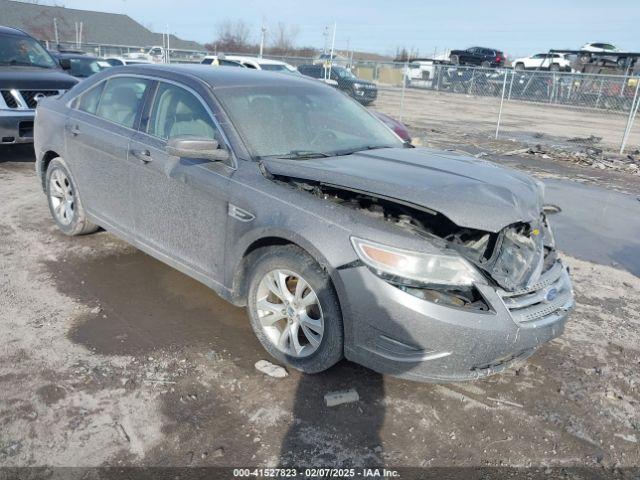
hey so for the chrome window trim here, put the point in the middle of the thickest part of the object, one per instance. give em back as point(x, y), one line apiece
point(137, 129)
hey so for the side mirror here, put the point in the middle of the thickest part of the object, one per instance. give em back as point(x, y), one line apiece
point(198, 148)
point(65, 63)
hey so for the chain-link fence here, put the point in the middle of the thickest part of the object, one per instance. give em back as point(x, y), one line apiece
point(507, 102)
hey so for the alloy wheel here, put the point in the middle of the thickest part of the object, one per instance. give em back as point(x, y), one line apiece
point(61, 197)
point(289, 313)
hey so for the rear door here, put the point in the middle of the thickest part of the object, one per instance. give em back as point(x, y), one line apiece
point(180, 204)
point(97, 138)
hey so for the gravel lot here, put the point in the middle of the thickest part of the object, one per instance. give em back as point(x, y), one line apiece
point(111, 358)
point(446, 111)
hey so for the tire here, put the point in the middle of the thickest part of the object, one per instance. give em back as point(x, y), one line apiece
point(519, 66)
point(64, 201)
point(554, 67)
point(485, 64)
point(290, 264)
point(622, 62)
point(584, 59)
point(455, 59)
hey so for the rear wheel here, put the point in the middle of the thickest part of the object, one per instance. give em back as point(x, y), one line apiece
point(519, 66)
point(294, 309)
point(64, 200)
point(455, 59)
point(486, 64)
point(554, 67)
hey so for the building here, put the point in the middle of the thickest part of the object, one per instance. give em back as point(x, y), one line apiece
point(96, 32)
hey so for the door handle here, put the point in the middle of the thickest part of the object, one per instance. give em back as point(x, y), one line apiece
point(143, 155)
point(74, 130)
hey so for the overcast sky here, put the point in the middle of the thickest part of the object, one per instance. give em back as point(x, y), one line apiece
point(517, 27)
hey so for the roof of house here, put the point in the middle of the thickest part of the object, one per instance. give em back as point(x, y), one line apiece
point(97, 27)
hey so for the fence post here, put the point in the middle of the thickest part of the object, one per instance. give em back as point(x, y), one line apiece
point(600, 92)
point(632, 116)
point(513, 76)
point(404, 86)
point(504, 87)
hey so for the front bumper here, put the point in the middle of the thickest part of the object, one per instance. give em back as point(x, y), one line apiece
point(394, 332)
point(16, 126)
point(365, 95)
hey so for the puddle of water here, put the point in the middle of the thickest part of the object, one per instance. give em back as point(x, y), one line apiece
point(145, 305)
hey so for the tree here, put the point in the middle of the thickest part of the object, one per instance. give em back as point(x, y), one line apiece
point(233, 36)
point(283, 39)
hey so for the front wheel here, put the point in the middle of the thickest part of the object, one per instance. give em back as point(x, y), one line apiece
point(294, 309)
point(64, 200)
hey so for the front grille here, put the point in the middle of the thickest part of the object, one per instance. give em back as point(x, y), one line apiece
point(548, 297)
point(29, 96)
point(9, 99)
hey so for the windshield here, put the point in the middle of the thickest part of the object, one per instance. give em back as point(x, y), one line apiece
point(281, 120)
point(271, 67)
point(343, 72)
point(24, 51)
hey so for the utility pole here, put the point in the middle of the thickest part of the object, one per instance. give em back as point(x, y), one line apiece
point(55, 31)
point(325, 34)
point(263, 30)
point(333, 44)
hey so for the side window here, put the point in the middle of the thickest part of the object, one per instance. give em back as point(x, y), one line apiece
point(207, 61)
point(121, 100)
point(88, 101)
point(178, 112)
point(249, 65)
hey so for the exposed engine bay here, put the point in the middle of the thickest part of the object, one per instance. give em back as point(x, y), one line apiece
point(513, 258)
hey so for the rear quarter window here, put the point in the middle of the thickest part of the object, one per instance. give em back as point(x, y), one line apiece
point(89, 100)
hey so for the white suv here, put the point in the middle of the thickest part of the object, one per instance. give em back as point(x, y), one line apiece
point(544, 61)
point(252, 62)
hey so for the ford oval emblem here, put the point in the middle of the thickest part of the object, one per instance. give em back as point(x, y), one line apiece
point(551, 295)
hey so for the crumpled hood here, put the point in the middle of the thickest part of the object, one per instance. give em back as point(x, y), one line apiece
point(472, 193)
point(34, 78)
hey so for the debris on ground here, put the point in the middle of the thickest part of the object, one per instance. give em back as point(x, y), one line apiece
point(268, 368)
point(332, 399)
point(589, 139)
point(587, 156)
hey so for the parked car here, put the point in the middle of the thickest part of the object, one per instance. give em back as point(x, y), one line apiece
point(342, 78)
point(544, 61)
point(596, 51)
point(398, 127)
point(122, 61)
point(81, 65)
point(287, 197)
point(28, 73)
point(479, 56)
point(220, 61)
point(263, 64)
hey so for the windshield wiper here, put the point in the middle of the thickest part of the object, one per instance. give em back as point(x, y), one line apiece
point(301, 155)
point(361, 149)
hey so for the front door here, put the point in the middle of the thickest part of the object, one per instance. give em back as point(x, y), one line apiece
point(180, 204)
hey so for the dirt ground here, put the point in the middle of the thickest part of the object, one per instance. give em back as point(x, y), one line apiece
point(110, 357)
point(445, 111)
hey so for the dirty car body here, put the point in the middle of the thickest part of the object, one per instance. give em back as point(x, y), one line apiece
point(443, 266)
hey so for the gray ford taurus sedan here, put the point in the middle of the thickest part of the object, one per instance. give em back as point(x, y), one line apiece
point(284, 195)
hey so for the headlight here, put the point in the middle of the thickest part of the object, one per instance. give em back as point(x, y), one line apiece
point(418, 268)
point(358, 85)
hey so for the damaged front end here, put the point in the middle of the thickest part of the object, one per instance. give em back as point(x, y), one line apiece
point(512, 259)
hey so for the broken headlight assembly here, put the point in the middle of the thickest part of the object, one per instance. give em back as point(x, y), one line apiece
point(438, 278)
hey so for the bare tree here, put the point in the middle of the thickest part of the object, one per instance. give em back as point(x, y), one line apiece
point(283, 38)
point(233, 36)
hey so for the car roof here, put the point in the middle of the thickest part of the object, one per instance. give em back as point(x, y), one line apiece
point(223, 76)
point(13, 31)
point(265, 61)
